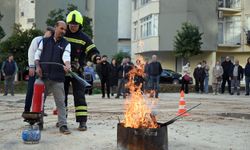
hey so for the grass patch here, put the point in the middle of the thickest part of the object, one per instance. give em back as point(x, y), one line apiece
point(19, 88)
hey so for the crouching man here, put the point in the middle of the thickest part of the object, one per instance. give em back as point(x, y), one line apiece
point(55, 49)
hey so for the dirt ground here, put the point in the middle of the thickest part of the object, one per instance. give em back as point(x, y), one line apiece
point(204, 129)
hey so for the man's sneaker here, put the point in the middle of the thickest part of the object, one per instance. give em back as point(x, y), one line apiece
point(82, 126)
point(45, 114)
point(64, 129)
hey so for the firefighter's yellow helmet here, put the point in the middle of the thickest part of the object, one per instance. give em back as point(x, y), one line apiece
point(74, 17)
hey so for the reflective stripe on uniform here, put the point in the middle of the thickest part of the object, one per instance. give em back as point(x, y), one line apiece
point(89, 48)
point(75, 40)
point(81, 108)
point(81, 113)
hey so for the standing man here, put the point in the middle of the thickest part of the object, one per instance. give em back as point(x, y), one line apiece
point(82, 49)
point(206, 79)
point(55, 49)
point(226, 65)
point(31, 60)
point(9, 70)
point(236, 74)
point(103, 70)
point(154, 71)
point(247, 75)
point(199, 76)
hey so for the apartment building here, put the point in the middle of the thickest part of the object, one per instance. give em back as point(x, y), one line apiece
point(223, 22)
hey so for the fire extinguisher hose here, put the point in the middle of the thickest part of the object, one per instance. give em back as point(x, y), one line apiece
point(73, 74)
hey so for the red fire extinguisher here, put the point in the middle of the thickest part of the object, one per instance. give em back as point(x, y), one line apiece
point(38, 96)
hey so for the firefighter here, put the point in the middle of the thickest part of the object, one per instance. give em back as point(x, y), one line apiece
point(82, 50)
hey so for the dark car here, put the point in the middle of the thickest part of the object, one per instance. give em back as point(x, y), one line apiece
point(171, 77)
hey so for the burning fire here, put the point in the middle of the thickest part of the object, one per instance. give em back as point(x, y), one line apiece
point(138, 109)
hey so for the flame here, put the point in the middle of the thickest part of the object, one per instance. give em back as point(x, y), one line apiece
point(138, 109)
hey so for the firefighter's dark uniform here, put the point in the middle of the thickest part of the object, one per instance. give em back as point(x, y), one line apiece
point(82, 49)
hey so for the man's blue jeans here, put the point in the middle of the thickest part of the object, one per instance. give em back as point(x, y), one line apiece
point(29, 93)
point(154, 84)
point(206, 84)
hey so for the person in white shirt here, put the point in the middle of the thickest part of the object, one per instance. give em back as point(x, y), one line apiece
point(31, 60)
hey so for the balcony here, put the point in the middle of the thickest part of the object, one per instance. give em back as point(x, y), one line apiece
point(229, 40)
point(229, 6)
point(229, 45)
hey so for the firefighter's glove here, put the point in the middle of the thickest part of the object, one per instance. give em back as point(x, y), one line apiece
point(75, 66)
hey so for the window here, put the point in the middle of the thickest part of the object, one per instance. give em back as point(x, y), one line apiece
point(232, 30)
point(135, 4)
point(229, 3)
point(248, 22)
point(149, 25)
point(135, 28)
point(30, 20)
point(139, 3)
point(221, 33)
point(229, 30)
point(22, 14)
point(86, 5)
point(143, 2)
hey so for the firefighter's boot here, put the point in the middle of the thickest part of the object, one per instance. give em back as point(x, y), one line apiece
point(82, 126)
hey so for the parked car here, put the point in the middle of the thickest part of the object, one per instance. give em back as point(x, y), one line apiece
point(171, 77)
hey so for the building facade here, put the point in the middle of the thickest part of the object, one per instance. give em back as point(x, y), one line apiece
point(8, 10)
point(112, 29)
point(233, 26)
point(222, 22)
point(25, 13)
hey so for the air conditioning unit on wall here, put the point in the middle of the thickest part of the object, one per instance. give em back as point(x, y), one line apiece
point(220, 14)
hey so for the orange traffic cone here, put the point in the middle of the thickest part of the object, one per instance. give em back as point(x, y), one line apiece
point(182, 105)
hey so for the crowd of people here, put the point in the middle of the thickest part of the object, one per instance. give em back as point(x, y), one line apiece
point(114, 76)
point(222, 73)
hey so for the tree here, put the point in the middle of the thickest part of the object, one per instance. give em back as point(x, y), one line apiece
point(119, 56)
point(2, 33)
point(187, 42)
point(18, 44)
point(54, 16)
point(60, 14)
